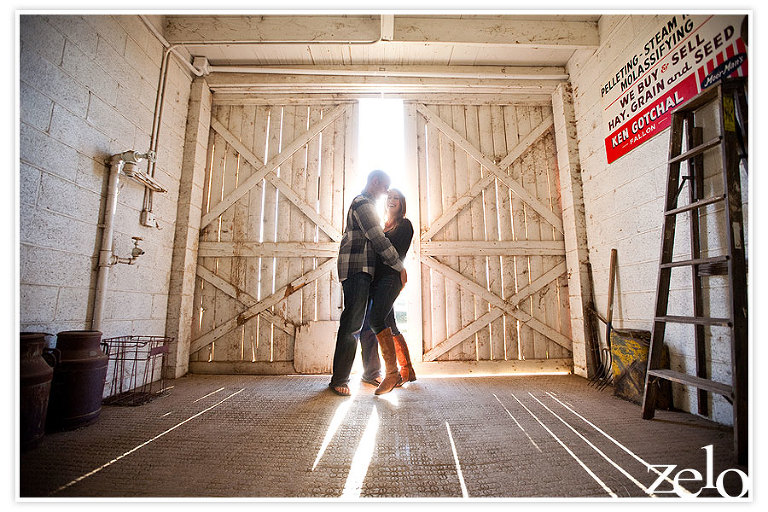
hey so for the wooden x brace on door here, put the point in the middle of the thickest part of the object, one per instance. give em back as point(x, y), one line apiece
point(496, 169)
point(239, 248)
point(267, 171)
point(500, 306)
point(254, 307)
point(495, 172)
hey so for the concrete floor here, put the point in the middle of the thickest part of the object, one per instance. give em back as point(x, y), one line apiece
point(290, 437)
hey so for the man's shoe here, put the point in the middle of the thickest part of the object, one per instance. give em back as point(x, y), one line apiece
point(373, 382)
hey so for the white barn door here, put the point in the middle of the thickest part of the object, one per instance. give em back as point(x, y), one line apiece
point(491, 249)
point(272, 219)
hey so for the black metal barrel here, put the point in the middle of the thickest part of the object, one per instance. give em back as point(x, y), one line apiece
point(35, 375)
point(78, 380)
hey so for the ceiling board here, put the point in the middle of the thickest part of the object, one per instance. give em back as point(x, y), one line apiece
point(428, 40)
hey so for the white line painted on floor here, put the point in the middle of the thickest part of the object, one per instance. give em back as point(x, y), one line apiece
point(518, 424)
point(600, 452)
point(145, 443)
point(464, 493)
point(680, 490)
point(570, 452)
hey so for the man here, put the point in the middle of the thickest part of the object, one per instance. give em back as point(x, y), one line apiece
point(363, 239)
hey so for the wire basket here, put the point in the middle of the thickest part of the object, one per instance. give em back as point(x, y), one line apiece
point(136, 365)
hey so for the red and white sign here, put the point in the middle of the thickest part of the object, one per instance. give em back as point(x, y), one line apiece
point(686, 55)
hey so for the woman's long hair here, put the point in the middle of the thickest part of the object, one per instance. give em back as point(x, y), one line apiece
point(391, 223)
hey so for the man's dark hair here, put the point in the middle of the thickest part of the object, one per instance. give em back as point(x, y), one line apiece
point(378, 173)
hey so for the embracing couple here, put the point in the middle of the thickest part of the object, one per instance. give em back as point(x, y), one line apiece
point(371, 272)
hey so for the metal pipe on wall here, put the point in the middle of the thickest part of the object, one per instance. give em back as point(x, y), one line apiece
point(105, 253)
point(173, 49)
point(124, 163)
point(379, 72)
point(159, 100)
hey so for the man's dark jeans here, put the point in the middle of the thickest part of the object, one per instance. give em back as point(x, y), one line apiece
point(369, 346)
point(356, 289)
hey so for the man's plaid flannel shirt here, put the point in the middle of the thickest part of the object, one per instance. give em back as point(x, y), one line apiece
point(363, 238)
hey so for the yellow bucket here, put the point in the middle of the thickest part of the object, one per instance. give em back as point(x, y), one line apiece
point(629, 352)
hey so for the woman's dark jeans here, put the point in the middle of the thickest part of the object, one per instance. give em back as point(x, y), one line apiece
point(384, 291)
point(370, 345)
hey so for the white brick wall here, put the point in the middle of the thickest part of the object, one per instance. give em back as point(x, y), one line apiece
point(88, 88)
point(623, 205)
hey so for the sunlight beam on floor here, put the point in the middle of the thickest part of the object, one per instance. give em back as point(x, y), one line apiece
point(392, 398)
point(600, 452)
point(570, 452)
point(681, 491)
point(362, 458)
point(209, 394)
point(518, 424)
point(464, 493)
point(338, 417)
point(119, 457)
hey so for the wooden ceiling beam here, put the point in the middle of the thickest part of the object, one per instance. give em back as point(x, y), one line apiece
point(319, 28)
point(501, 30)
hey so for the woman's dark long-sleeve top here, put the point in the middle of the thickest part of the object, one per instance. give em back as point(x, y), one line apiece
point(400, 237)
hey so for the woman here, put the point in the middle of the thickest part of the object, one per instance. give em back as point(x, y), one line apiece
point(385, 288)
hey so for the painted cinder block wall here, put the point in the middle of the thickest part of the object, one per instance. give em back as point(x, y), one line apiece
point(87, 89)
point(623, 205)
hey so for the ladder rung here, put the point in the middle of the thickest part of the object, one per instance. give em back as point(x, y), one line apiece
point(695, 151)
point(713, 269)
point(698, 261)
point(706, 96)
point(692, 380)
point(697, 204)
point(703, 320)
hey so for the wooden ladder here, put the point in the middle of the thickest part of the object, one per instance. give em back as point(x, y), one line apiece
point(730, 99)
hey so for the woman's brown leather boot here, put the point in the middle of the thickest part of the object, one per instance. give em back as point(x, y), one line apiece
point(403, 360)
point(392, 376)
